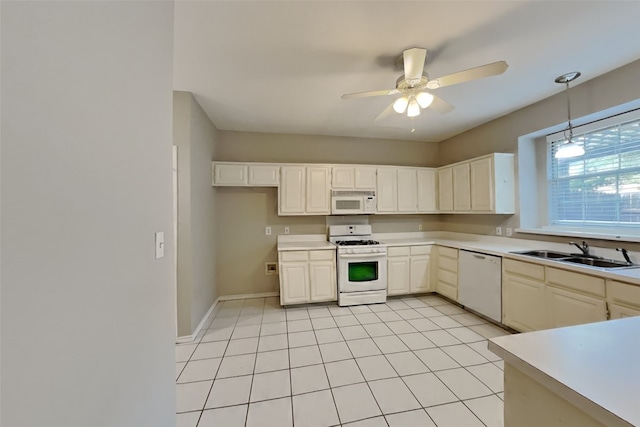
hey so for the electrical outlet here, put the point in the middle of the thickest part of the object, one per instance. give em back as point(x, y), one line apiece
point(286, 230)
point(270, 268)
point(419, 227)
point(498, 231)
point(267, 231)
point(509, 232)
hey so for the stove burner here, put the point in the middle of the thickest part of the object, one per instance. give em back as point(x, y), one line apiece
point(356, 242)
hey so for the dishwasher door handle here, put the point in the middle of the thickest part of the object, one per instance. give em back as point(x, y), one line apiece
point(479, 256)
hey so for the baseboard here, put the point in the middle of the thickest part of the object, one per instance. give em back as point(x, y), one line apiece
point(248, 296)
point(190, 338)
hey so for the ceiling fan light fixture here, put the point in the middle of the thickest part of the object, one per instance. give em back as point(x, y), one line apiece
point(400, 105)
point(424, 99)
point(414, 108)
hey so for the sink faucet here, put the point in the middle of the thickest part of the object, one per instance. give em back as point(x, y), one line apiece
point(584, 248)
point(625, 254)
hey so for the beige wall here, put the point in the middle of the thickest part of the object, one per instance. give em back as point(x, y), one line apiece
point(196, 138)
point(243, 213)
point(501, 135)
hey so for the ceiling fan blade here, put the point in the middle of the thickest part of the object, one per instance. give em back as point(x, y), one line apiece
point(384, 113)
point(482, 71)
point(371, 93)
point(441, 106)
point(414, 63)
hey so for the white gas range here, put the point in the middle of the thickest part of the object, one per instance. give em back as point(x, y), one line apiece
point(362, 265)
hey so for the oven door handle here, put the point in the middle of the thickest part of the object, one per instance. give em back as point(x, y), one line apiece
point(370, 255)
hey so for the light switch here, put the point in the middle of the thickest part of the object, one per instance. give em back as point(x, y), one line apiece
point(159, 244)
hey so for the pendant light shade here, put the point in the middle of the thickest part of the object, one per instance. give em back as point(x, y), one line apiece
point(400, 106)
point(569, 149)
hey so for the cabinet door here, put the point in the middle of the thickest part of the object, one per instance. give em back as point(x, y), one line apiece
point(461, 188)
point(420, 274)
point(426, 190)
point(620, 311)
point(398, 271)
point(322, 281)
point(264, 175)
point(387, 194)
point(342, 177)
point(482, 184)
point(319, 190)
point(445, 190)
point(292, 190)
point(407, 190)
point(566, 308)
point(523, 304)
point(230, 174)
point(365, 178)
point(294, 282)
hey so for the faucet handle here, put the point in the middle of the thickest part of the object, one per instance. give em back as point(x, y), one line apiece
point(625, 254)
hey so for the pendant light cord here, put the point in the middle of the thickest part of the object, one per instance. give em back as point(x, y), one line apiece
point(570, 127)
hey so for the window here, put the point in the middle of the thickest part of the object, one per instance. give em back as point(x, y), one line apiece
point(600, 189)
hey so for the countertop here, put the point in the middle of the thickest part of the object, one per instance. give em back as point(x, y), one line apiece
point(595, 366)
point(492, 245)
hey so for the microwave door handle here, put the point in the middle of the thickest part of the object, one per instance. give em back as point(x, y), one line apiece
point(376, 255)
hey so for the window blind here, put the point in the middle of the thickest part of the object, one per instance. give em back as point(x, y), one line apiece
point(602, 187)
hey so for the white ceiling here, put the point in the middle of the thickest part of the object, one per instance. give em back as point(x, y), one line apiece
point(281, 67)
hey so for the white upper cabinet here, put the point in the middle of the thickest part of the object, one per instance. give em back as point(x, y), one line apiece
point(481, 185)
point(292, 190)
point(461, 188)
point(445, 189)
point(387, 193)
point(353, 178)
point(264, 175)
point(365, 178)
point(318, 190)
point(231, 174)
point(407, 190)
point(427, 190)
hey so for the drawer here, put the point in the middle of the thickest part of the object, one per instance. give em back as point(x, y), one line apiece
point(321, 255)
point(294, 255)
point(448, 277)
point(447, 252)
point(576, 281)
point(448, 291)
point(398, 251)
point(526, 269)
point(421, 250)
point(448, 264)
point(623, 293)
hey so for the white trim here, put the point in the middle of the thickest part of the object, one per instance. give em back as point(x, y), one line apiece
point(192, 337)
point(618, 237)
point(247, 296)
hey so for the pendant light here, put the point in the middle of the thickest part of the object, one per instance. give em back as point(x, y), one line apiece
point(569, 148)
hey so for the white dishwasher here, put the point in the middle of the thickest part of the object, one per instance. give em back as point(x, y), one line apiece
point(480, 283)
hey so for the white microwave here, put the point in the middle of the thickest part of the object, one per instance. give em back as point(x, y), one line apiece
point(353, 202)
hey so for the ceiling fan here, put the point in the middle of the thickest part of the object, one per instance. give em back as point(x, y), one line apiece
point(413, 84)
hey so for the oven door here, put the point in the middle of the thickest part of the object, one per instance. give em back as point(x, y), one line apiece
point(362, 272)
point(341, 205)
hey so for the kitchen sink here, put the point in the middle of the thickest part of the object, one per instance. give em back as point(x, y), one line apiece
point(600, 263)
point(545, 254)
point(587, 261)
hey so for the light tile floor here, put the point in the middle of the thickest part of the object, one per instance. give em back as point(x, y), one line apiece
point(410, 362)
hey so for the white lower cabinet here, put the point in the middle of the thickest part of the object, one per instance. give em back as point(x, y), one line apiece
point(446, 274)
point(307, 276)
point(523, 304)
point(623, 299)
point(567, 308)
point(408, 269)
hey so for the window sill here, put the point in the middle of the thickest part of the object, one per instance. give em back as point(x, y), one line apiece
point(618, 236)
